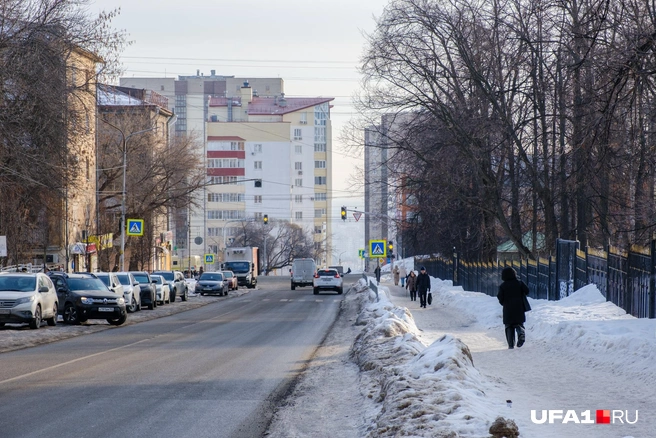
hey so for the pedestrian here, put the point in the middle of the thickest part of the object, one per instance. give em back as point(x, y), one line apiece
point(423, 286)
point(403, 274)
point(396, 275)
point(411, 285)
point(377, 273)
point(512, 296)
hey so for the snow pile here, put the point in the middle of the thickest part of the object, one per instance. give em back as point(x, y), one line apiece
point(420, 390)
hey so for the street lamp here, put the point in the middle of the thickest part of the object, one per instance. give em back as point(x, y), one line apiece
point(124, 141)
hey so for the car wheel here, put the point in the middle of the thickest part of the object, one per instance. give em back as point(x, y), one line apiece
point(184, 296)
point(2, 324)
point(316, 291)
point(155, 303)
point(151, 305)
point(53, 321)
point(36, 322)
point(340, 290)
point(202, 294)
point(293, 286)
point(70, 315)
point(133, 305)
point(119, 321)
point(173, 297)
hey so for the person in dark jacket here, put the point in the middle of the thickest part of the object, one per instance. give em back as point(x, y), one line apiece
point(377, 273)
point(411, 285)
point(423, 286)
point(512, 296)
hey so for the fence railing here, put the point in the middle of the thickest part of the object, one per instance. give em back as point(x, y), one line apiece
point(626, 278)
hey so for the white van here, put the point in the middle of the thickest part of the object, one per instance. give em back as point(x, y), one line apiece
point(302, 272)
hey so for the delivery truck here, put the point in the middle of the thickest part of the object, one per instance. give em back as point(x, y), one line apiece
point(244, 263)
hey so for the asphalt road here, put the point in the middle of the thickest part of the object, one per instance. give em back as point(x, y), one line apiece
point(215, 371)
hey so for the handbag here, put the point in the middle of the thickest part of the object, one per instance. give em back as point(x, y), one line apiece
point(429, 299)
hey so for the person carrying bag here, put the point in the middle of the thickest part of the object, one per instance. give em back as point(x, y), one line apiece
point(411, 285)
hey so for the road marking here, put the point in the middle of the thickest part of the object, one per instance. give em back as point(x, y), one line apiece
point(318, 301)
point(284, 299)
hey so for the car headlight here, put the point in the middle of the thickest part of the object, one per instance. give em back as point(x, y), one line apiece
point(24, 300)
point(120, 301)
point(86, 300)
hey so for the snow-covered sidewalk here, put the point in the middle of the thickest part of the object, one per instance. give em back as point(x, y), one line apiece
point(446, 371)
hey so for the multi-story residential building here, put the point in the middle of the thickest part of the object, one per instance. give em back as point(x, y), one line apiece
point(281, 148)
point(246, 133)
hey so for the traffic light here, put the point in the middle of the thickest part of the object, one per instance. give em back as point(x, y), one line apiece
point(390, 246)
point(266, 219)
point(343, 213)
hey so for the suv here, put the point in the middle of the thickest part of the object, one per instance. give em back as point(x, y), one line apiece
point(302, 272)
point(27, 299)
point(176, 282)
point(132, 291)
point(148, 291)
point(84, 296)
point(328, 279)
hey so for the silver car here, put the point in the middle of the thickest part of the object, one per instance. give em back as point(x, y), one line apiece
point(131, 291)
point(27, 299)
point(328, 279)
point(163, 289)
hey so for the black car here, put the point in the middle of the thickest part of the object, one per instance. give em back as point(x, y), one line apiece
point(148, 289)
point(176, 282)
point(211, 283)
point(84, 296)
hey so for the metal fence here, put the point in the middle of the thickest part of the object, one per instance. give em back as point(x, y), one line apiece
point(626, 278)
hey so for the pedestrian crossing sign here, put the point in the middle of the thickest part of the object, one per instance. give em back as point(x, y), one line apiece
point(135, 227)
point(377, 248)
point(209, 259)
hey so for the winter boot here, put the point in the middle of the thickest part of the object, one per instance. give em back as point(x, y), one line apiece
point(521, 336)
point(510, 336)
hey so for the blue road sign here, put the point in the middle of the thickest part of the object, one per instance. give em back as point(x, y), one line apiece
point(209, 259)
point(378, 248)
point(135, 227)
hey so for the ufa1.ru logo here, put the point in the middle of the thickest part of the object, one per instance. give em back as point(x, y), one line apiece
point(603, 416)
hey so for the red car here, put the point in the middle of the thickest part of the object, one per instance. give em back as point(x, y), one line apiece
point(231, 279)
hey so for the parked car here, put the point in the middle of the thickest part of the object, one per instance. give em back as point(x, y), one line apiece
point(231, 280)
point(211, 283)
point(83, 296)
point(148, 291)
point(27, 299)
point(131, 291)
point(328, 279)
point(112, 282)
point(177, 284)
point(161, 289)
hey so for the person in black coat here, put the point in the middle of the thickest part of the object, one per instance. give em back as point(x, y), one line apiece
point(423, 286)
point(512, 296)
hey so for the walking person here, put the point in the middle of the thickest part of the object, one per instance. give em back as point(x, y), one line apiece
point(396, 275)
point(512, 296)
point(403, 274)
point(377, 273)
point(423, 286)
point(411, 285)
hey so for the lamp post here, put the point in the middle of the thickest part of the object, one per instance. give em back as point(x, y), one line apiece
point(124, 141)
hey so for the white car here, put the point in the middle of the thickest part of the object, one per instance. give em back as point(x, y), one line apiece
point(131, 291)
point(328, 279)
point(163, 289)
point(27, 298)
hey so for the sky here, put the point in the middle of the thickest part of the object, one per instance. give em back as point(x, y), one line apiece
point(390, 368)
point(314, 46)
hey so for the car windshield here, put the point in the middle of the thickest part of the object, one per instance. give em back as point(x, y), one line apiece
point(238, 267)
point(228, 274)
point(211, 276)
point(168, 275)
point(16, 283)
point(86, 284)
point(141, 278)
point(104, 279)
point(327, 273)
point(124, 279)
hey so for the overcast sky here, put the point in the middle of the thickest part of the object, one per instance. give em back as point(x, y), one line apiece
point(315, 46)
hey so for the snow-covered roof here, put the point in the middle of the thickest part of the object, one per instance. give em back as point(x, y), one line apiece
point(272, 105)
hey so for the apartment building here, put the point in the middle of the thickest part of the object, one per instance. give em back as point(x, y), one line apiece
point(250, 131)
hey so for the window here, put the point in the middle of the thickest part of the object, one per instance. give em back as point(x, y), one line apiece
point(319, 212)
point(298, 182)
point(303, 118)
point(218, 163)
point(257, 165)
point(319, 147)
point(298, 215)
point(257, 199)
point(298, 149)
point(225, 197)
point(225, 214)
point(298, 165)
point(320, 164)
point(214, 249)
point(319, 134)
point(320, 196)
point(236, 145)
point(319, 180)
point(224, 180)
point(317, 230)
point(257, 148)
point(298, 198)
point(213, 231)
point(258, 215)
point(298, 134)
